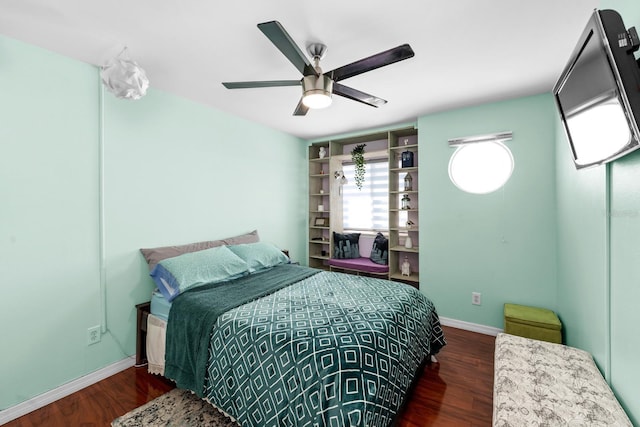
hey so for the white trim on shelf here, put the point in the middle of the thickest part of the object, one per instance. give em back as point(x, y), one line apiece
point(368, 155)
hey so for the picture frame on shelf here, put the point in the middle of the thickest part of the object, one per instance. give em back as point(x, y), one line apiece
point(321, 222)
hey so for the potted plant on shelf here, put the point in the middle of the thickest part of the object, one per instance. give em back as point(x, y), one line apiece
point(357, 155)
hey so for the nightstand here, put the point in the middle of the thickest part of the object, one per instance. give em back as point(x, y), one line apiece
point(143, 310)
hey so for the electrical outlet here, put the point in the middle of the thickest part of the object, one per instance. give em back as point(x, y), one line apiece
point(93, 335)
point(476, 298)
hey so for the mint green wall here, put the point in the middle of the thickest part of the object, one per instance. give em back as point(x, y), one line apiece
point(48, 220)
point(500, 244)
point(175, 172)
point(599, 273)
point(582, 253)
point(625, 281)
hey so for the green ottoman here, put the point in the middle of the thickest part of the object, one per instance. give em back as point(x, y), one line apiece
point(532, 322)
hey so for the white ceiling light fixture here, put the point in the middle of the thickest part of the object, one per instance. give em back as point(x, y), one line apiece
point(481, 164)
point(317, 90)
point(124, 77)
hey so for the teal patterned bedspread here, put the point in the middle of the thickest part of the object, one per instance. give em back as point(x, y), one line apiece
point(194, 314)
point(330, 350)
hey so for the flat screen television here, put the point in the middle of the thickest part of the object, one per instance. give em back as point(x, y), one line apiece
point(598, 92)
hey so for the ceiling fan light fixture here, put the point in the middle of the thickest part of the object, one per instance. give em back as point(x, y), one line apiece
point(316, 91)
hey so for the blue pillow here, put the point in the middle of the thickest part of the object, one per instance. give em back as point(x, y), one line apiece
point(175, 275)
point(259, 256)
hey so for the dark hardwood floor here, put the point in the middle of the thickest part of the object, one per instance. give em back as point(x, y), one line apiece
point(457, 391)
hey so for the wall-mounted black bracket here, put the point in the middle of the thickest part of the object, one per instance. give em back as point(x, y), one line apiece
point(634, 41)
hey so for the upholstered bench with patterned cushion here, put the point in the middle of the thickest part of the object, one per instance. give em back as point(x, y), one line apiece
point(538, 383)
point(532, 322)
point(359, 265)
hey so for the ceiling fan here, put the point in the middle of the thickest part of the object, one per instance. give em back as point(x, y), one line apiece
point(317, 87)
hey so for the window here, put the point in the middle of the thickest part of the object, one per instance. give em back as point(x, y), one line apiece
point(481, 167)
point(368, 208)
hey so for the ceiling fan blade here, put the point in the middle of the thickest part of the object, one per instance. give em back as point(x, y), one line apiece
point(356, 95)
point(371, 63)
point(283, 41)
point(301, 109)
point(271, 83)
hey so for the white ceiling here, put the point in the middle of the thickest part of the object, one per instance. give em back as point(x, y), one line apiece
point(467, 52)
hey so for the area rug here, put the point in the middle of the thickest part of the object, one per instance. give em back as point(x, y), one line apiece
point(176, 408)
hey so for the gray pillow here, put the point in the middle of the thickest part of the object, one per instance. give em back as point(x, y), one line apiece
point(380, 250)
point(243, 238)
point(346, 246)
point(155, 255)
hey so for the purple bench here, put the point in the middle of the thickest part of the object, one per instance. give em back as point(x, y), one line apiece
point(361, 265)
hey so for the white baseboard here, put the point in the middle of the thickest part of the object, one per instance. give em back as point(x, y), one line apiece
point(64, 390)
point(468, 326)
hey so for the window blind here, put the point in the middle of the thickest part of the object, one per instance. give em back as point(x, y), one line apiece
point(368, 208)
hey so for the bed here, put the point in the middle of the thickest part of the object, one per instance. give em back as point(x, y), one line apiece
point(291, 345)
